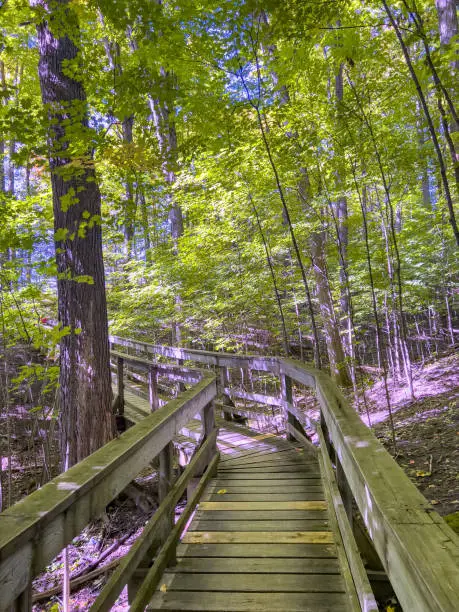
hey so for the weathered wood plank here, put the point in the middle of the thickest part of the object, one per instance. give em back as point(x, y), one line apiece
point(268, 476)
point(267, 469)
point(263, 505)
point(224, 482)
point(260, 457)
point(266, 400)
point(276, 565)
point(261, 497)
point(249, 583)
point(258, 537)
point(304, 486)
point(267, 525)
point(249, 602)
point(268, 551)
point(260, 515)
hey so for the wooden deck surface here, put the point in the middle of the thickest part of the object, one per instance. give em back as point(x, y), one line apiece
point(261, 538)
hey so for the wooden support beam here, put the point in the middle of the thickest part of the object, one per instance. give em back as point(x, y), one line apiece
point(287, 398)
point(120, 378)
point(153, 388)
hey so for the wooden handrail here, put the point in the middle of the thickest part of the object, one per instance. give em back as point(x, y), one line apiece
point(36, 529)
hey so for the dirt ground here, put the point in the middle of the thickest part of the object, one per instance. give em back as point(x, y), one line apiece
point(426, 429)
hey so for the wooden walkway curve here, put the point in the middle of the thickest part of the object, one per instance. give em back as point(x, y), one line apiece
point(262, 538)
point(270, 523)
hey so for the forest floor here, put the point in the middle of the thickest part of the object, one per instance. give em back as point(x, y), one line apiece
point(426, 429)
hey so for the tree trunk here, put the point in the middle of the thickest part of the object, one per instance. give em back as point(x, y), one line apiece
point(166, 135)
point(331, 328)
point(447, 23)
point(86, 420)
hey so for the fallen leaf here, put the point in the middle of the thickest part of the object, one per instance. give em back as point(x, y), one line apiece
point(422, 474)
point(163, 588)
point(434, 502)
point(222, 492)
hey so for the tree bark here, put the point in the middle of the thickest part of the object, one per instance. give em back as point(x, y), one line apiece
point(86, 420)
point(447, 22)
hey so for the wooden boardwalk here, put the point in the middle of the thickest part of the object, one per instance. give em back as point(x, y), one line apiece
point(262, 538)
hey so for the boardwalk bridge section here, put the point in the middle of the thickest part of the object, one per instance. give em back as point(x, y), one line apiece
point(269, 521)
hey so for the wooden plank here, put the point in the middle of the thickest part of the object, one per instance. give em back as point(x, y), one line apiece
point(250, 583)
point(266, 525)
point(265, 400)
point(253, 483)
point(258, 537)
point(254, 450)
point(34, 531)
point(276, 565)
point(263, 505)
point(248, 602)
point(268, 469)
point(270, 550)
point(267, 476)
point(259, 457)
point(260, 515)
point(274, 462)
point(261, 497)
point(292, 487)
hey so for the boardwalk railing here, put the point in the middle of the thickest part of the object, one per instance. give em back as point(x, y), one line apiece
point(36, 529)
point(417, 549)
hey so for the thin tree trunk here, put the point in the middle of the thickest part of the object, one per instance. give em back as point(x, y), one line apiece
point(273, 277)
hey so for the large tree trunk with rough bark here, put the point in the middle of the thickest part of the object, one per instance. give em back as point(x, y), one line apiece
point(86, 420)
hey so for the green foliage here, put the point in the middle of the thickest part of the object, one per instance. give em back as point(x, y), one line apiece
point(191, 59)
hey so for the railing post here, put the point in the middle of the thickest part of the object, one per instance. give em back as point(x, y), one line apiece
point(166, 458)
point(166, 476)
point(287, 397)
point(328, 444)
point(120, 376)
point(153, 388)
point(208, 419)
point(224, 383)
point(345, 490)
